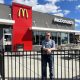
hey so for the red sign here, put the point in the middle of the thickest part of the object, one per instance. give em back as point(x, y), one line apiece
point(22, 35)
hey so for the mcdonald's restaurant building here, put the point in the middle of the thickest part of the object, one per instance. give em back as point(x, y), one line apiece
point(23, 28)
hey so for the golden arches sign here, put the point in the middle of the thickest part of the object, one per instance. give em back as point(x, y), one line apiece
point(23, 12)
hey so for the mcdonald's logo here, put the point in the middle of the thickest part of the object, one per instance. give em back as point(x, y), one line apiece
point(23, 12)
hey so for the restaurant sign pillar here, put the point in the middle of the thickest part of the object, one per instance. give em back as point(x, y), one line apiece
point(22, 33)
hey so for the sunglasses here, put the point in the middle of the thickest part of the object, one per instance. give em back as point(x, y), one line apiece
point(47, 35)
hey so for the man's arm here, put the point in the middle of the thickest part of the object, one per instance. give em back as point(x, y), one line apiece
point(53, 46)
point(43, 46)
point(52, 49)
point(45, 49)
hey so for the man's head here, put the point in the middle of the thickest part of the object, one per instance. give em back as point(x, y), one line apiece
point(48, 35)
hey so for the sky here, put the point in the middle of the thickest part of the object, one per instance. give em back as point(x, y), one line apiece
point(63, 8)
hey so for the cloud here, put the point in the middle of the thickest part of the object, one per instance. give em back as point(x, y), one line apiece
point(53, 1)
point(66, 12)
point(78, 7)
point(2, 1)
point(31, 2)
point(62, 13)
point(46, 8)
point(77, 23)
point(77, 20)
point(27, 2)
point(59, 14)
point(77, 26)
point(49, 7)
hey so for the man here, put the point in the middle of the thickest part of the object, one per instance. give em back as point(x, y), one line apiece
point(47, 46)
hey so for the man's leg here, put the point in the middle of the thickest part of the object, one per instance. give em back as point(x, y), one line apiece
point(44, 67)
point(51, 66)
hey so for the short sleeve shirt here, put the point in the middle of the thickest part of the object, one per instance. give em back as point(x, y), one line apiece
point(48, 44)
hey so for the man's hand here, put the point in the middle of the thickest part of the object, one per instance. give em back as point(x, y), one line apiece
point(49, 51)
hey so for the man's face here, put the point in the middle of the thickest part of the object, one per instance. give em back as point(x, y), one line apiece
point(48, 35)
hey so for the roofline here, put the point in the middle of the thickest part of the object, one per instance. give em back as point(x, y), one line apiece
point(55, 30)
point(7, 21)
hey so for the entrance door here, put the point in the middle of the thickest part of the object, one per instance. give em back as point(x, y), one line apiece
point(7, 39)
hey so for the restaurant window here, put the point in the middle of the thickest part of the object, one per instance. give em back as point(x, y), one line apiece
point(42, 37)
point(35, 38)
point(58, 38)
point(38, 37)
point(71, 37)
point(54, 36)
point(64, 38)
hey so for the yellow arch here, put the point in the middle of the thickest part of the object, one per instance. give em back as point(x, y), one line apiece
point(23, 12)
